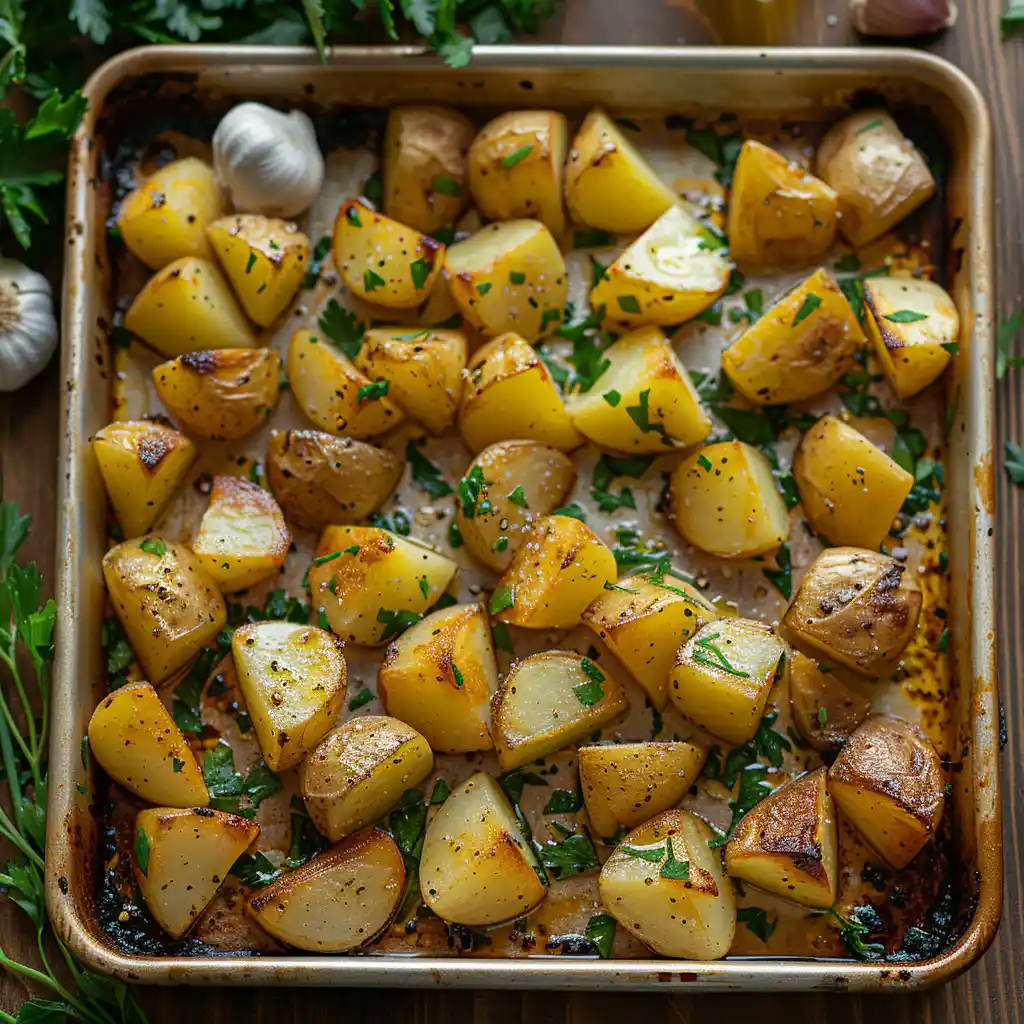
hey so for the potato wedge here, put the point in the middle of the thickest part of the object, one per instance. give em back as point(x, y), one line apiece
point(549, 701)
point(665, 884)
point(787, 844)
point(888, 782)
point(799, 348)
point(294, 680)
point(181, 859)
point(625, 784)
point(134, 739)
point(142, 464)
point(372, 584)
point(849, 489)
point(439, 677)
point(338, 901)
point(168, 606)
point(723, 500)
point(477, 868)
point(608, 184)
point(825, 710)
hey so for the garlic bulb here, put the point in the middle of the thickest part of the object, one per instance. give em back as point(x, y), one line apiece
point(28, 328)
point(269, 162)
point(902, 17)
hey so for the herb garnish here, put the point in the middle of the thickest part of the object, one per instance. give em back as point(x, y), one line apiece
point(807, 307)
point(707, 652)
point(509, 161)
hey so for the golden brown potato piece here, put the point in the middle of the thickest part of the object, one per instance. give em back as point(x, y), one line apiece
point(825, 710)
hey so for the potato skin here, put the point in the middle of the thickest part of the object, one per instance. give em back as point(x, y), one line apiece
point(810, 690)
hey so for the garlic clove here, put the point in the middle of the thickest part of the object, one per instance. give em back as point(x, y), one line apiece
point(902, 17)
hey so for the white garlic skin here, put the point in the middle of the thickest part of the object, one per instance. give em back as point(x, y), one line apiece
point(28, 327)
point(268, 162)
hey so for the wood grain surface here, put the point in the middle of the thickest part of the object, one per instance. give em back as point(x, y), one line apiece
point(993, 991)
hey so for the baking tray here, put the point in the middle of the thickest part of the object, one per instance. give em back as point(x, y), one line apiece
point(800, 83)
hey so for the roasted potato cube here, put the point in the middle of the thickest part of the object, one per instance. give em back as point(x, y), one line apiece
point(508, 486)
point(888, 782)
point(799, 348)
point(780, 215)
point(188, 307)
point(825, 710)
point(477, 867)
point(914, 327)
point(855, 608)
point(221, 395)
point(372, 584)
point(643, 621)
point(850, 490)
point(625, 784)
point(724, 501)
point(319, 479)
point(671, 273)
point(509, 276)
point(181, 859)
point(142, 464)
point(723, 675)
point(337, 902)
point(383, 261)
point(876, 170)
point(608, 184)
point(165, 218)
point(136, 742)
point(549, 701)
point(787, 844)
point(360, 771)
point(510, 393)
point(439, 677)
point(665, 884)
point(425, 173)
point(168, 606)
point(561, 567)
point(294, 680)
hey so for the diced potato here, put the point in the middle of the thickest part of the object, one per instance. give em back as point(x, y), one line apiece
point(510, 485)
point(724, 501)
point(181, 859)
point(426, 181)
point(608, 184)
point(914, 326)
point(723, 675)
point(372, 584)
point(825, 710)
point(850, 490)
point(510, 394)
point(188, 307)
point(671, 273)
point(561, 567)
point(383, 261)
point(643, 621)
point(787, 844)
point(625, 784)
point(439, 677)
point(889, 784)
point(549, 701)
point(165, 218)
point(423, 369)
point(221, 395)
point(294, 680)
point(877, 171)
point(516, 166)
point(856, 608)
point(644, 401)
point(320, 479)
point(780, 216)
point(333, 393)
point(666, 886)
point(264, 259)
point(136, 742)
point(337, 902)
point(477, 867)
point(799, 348)
point(168, 606)
point(142, 464)
point(509, 276)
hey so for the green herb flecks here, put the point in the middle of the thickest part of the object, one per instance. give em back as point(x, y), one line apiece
point(342, 329)
point(425, 475)
point(510, 160)
point(590, 692)
point(707, 652)
point(807, 307)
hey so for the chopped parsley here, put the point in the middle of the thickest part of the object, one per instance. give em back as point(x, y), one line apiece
point(573, 511)
point(782, 577)
point(706, 652)
point(564, 801)
point(641, 416)
point(420, 270)
point(601, 932)
point(593, 238)
point(673, 868)
point(251, 262)
point(591, 691)
point(502, 598)
point(440, 792)
point(807, 307)
point(457, 676)
point(425, 475)
point(870, 126)
point(570, 856)
point(483, 288)
point(142, 851)
point(254, 870)
point(904, 316)
point(628, 303)
point(342, 328)
point(371, 392)
point(517, 277)
point(470, 488)
point(154, 546)
point(509, 161)
point(396, 622)
point(448, 186)
point(361, 699)
point(517, 497)
point(372, 280)
point(756, 920)
point(315, 266)
point(352, 215)
point(324, 559)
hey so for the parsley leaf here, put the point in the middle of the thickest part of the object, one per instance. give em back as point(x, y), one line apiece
point(396, 622)
point(807, 307)
point(756, 920)
point(425, 475)
point(342, 329)
point(591, 691)
point(571, 856)
point(601, 932)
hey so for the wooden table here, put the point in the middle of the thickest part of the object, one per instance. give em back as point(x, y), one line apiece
point(991, 993)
